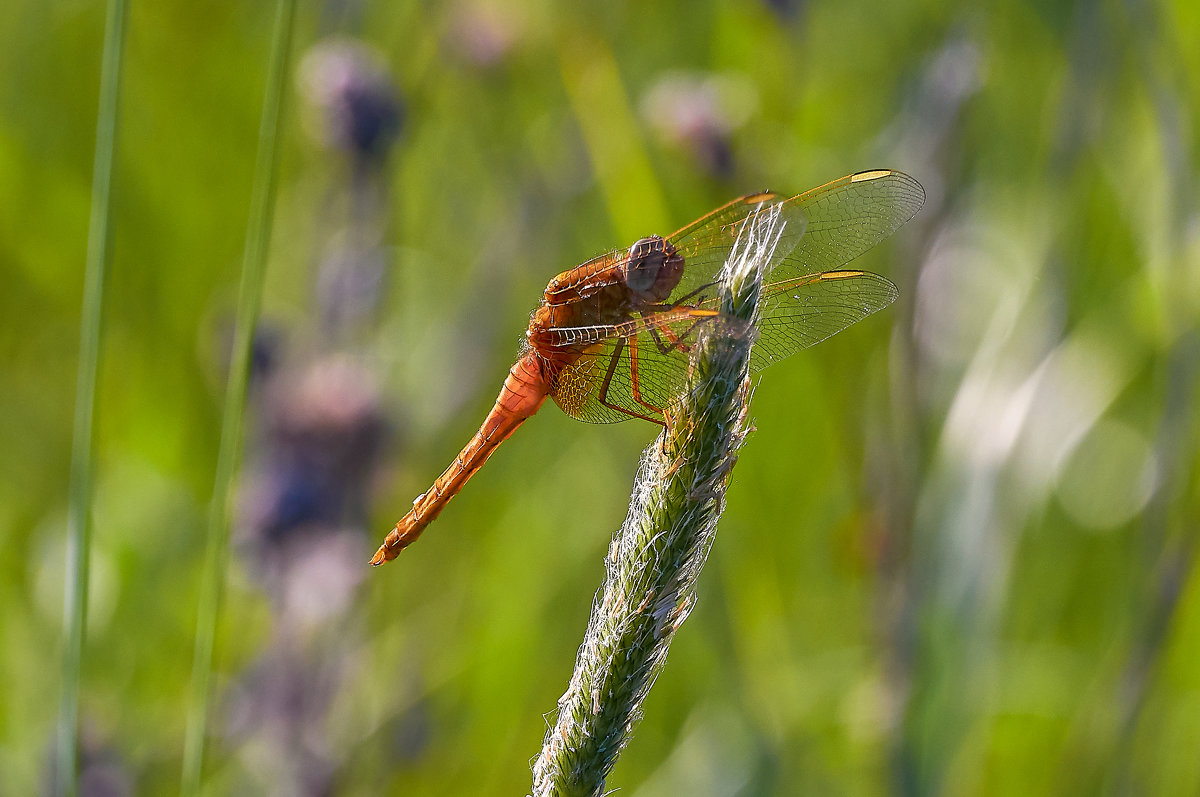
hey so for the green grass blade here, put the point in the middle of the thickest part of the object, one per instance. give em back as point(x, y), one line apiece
point(254, 264)
point(83, 444)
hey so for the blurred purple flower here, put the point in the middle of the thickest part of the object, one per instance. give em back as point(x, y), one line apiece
point(787, 10)
point(699, 112)
point(103, 771)
point(354, 103)
point(322, 429)
point(481, 35)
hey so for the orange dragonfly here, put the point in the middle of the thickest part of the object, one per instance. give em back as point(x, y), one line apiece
point(610, 339)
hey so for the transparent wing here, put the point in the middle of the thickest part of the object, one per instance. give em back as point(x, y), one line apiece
point(803, 312)
point(827, 228)
point(631, 370)
point(810, 296)
point(707, 242)
point(847, 217)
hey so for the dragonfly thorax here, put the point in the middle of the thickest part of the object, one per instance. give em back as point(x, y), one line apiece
point(653, 268)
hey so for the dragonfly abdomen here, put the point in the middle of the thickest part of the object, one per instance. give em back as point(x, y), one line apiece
point(523, 393)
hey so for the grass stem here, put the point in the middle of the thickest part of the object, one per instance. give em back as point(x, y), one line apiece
point(254, 263)
point(79, 496)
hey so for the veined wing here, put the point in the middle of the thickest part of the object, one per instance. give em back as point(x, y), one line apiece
point(810, 295)
point(849, 216)
point(707, 242)
point(632, 369)
point(826, 227)
point(802, 312)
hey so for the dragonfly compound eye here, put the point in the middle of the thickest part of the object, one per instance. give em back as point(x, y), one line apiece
point(648, 268)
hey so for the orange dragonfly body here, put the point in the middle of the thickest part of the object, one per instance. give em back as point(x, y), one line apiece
point(610, 339)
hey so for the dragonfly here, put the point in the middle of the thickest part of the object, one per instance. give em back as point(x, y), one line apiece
point(611, 339)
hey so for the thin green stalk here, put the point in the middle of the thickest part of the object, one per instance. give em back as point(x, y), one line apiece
point(254, 263)
point(655, 559)
point(83, 442)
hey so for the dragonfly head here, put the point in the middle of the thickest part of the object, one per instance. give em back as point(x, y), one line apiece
point(653, 268)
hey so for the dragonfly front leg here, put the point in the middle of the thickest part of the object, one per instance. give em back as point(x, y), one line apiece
point(682, 300)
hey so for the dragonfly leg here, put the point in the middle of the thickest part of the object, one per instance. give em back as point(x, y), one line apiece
point(678, 341)
point(634, 379)
point(683, 299)
point(602, 395)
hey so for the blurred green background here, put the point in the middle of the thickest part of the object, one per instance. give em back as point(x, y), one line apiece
point(959, 555)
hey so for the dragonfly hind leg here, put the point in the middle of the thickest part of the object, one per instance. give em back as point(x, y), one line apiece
point(635, 379)
point(602, 394)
